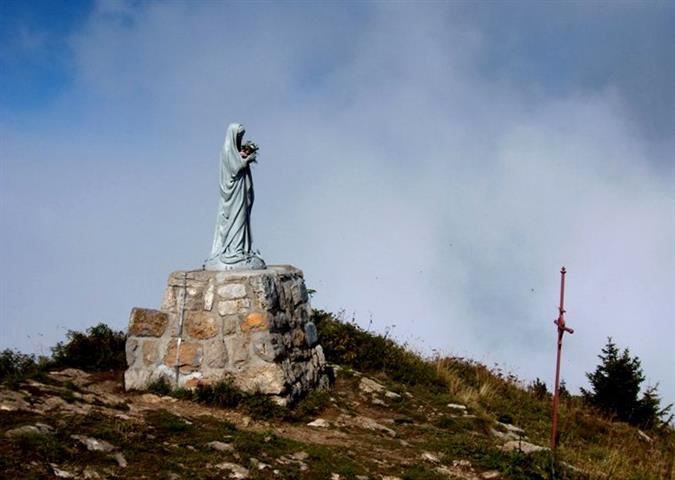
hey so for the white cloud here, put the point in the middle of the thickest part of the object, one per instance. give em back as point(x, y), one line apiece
point(409, 186)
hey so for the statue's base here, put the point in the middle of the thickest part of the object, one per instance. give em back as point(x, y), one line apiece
point(251, 325)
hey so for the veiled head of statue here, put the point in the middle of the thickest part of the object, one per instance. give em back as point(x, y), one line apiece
point(235, 135)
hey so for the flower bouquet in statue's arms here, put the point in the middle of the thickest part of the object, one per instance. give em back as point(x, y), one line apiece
point(249, 149)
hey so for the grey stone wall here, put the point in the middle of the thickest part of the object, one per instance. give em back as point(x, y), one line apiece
point(251, 325)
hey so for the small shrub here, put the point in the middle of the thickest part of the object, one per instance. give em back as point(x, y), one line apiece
point(160, 387)
point(539, 389)
point(99, 349)
point(222, 394)
point(16, 366)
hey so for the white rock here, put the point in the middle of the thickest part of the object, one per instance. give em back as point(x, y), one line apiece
point(119, 458)
point(368, 385)
point(220, 446)
point(512, 428)
point(644, 436)
point(60, 473)
point(236, 471)
point(457, 406)
point(93, 444)
point(390, 394)
point(319, 423)
point(490, 474)
point(370, 424)
point(430, 457)
point(522, 446)
point(38, 428)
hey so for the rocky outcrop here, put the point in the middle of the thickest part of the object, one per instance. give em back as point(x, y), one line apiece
point(252, 325)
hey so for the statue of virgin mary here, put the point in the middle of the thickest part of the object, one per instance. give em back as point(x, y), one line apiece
point(232, 240)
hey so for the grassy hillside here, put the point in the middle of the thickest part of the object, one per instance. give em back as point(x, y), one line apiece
point(390, 415)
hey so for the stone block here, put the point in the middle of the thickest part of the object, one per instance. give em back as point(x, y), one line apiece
point(267, 347)
point(311, 334)
point(252, 325)
point(147, 323)
point(254, 322)
point(131, 350)
point(150, 355)
point(233, 307)
point(232, 291)
point(189, 355)
point(201, 324)
point(230, 324)
point(208, 297)
point(215, 353)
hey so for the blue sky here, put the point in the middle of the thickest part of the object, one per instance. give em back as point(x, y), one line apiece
point(430, 166)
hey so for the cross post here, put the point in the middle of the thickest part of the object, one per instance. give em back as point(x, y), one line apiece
point(562, 328)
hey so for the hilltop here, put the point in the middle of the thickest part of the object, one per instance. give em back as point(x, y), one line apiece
point(390, 414)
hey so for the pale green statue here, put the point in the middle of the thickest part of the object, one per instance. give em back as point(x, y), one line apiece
point(232, 241)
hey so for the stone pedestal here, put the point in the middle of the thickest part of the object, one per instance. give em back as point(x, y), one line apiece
point(252, 325)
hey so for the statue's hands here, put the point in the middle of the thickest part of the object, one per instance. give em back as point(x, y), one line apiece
point(252, 157)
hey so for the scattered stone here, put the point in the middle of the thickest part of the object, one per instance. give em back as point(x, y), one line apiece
point(319, 423)
point(91, 474)
point(38, 428)
point(505, 435)
point(11, 401)
point(258, 464)
point(644, 436)
point(150, 398)
point(368, 385)
point(461, 463)
point(490, 474)
point(119, 458)
point(522, 446)
point(377, 401)
point(220, 446)
point(430, 457)
point(92, 444)
point(389, 477)
point(236, 471)
point(390, 394)
point(60, 473)
point(457, 406)
point(334, 476)
point(300, 456)
point(370, 424)
point(512, 428)
point(362, 477)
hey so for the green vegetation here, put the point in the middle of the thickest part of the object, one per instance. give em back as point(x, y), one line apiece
point(615, 385)
point(16, 366)
point(348, 344)
point(599, 446)
point(98, 349)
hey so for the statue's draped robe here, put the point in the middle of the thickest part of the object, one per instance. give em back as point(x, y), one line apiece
point(232, 238)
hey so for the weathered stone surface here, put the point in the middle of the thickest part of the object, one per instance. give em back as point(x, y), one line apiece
point(208, 297)
point(215, 353)
point(311, 334)
point(150, 355)
point(232, 291)
point(189, 355)
point(131, 350)
point(267, 347)
point(147, 323)
point(253, 325)
point(231, 307)
point(254, 322)
point(201, 324)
